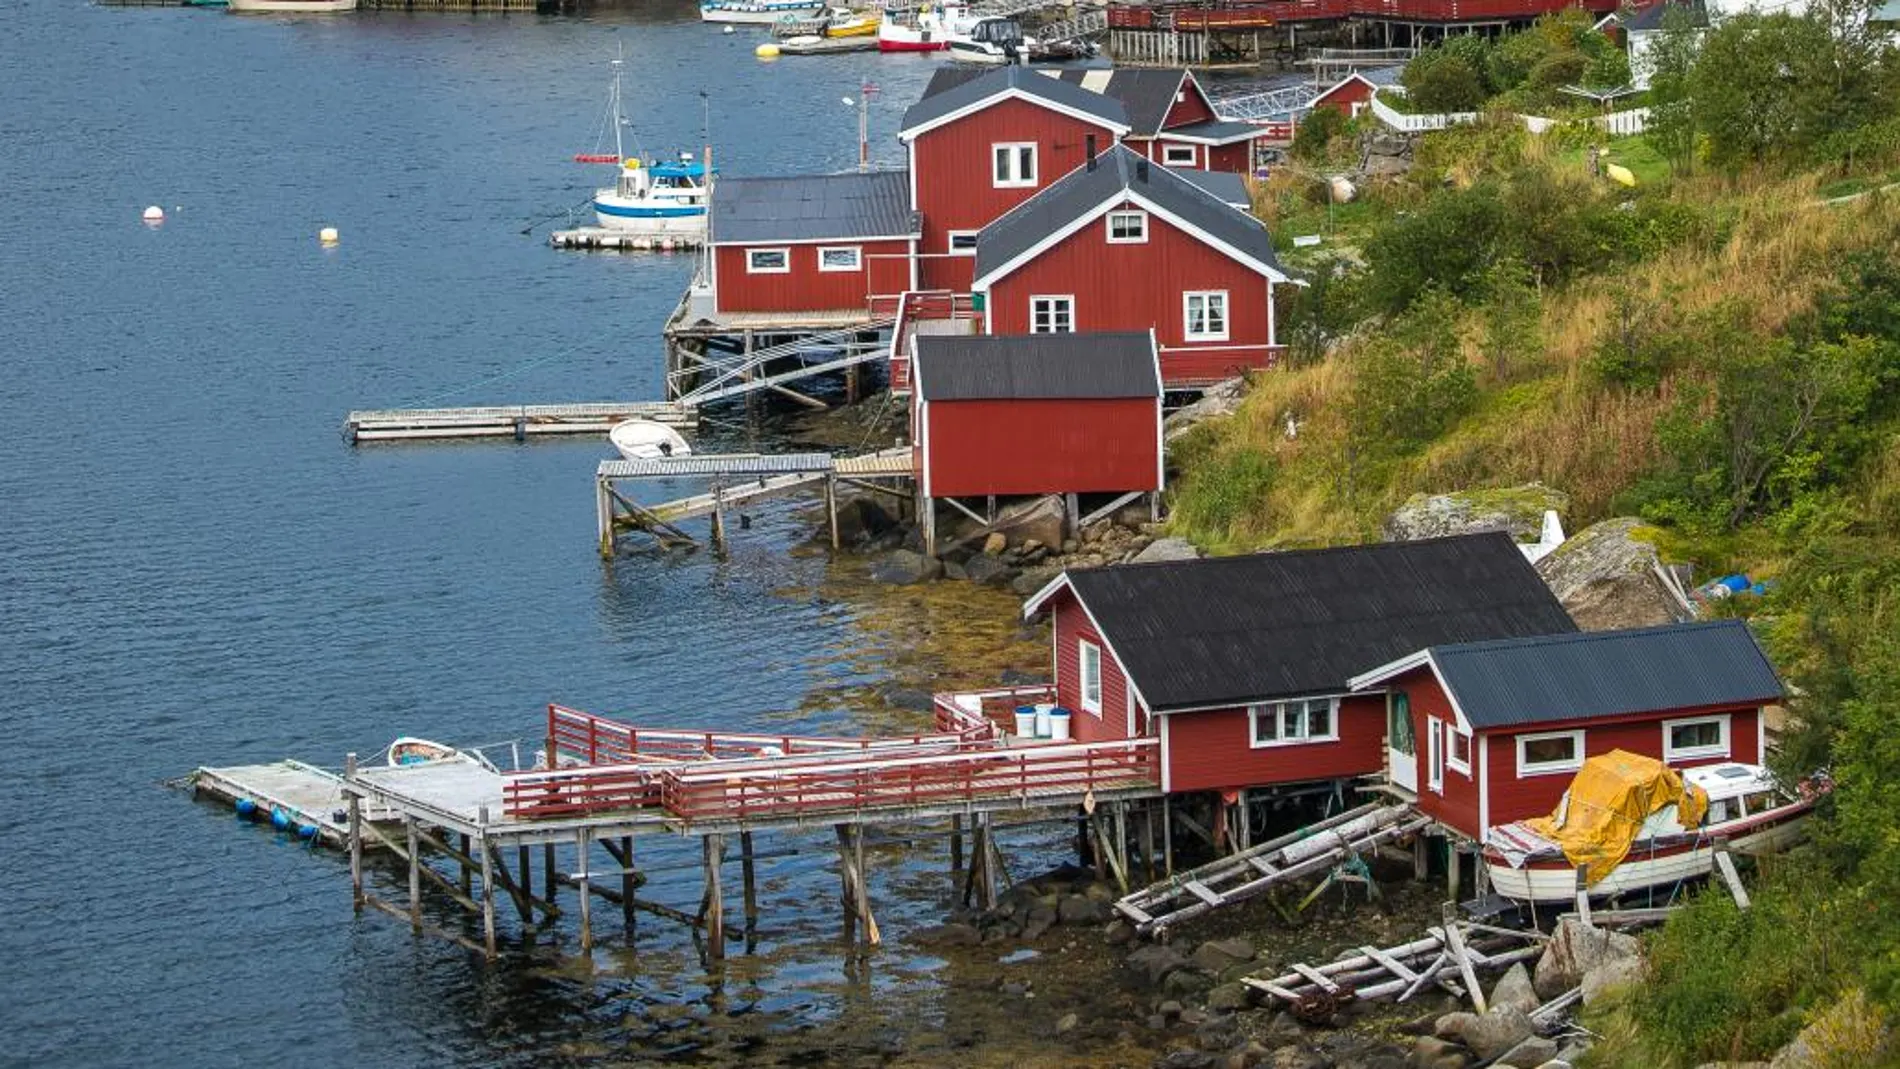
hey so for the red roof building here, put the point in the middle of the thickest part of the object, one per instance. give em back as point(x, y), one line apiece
point(1124, 244)
point(1349, 96)
point(811, 243)
point(1036, 414)
point(984, 146)
point(1240, 664)
point(1487, 733)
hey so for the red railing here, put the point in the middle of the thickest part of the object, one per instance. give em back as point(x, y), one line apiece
point(583, 738)
point(1250, 13)
point(991, 709)
point(913, 306)
point(1028, 773)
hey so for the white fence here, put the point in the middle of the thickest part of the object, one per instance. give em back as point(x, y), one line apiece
point(1616, 123)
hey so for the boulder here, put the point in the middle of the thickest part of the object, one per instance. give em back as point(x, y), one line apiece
point(986, 570)
point(902, 567)
point(1185, 1059)
point(1381, 166)
point(1042, 520)
point(1495, 1031)
point(1849, 1031)
point(948, 935)
point(1167, 549)
point(1452, 1025)
point(1169, 1009)
point(1067, 1023)
point(1219, 954)
point(1221, 399)
point(860, 519)
point(1187, 982)
point(995, 544)
point(1298, 1058)
point(1517, 511)
point(1081, 910)
point(1532, 1053)
point(1605, 575)
point(1514, 989)
point(953, 570)
point(1155, 961)
point(1430, 1052)
point(1034, 579)
point(1228, 998)
point(1574, 949)
point(1611, 976)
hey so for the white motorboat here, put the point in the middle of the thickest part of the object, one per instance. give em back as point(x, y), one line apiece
point(291, 7)
point(643, 439)
point(657, 198)
point(996, 40)
point(410, 751)
point(1747, 808)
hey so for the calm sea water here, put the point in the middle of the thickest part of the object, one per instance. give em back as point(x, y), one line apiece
point(196, 569)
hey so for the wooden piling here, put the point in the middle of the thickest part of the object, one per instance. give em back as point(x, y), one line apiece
point(525, 866)
point(751, 884)
point(1148, 844)
point(356, 834)
point(586, 857)
point(627, 882)
point(713, 912)
point(547, 849)
point(956, 845)
point(488, 887)
point(1167, 836)
point(415, 874)
point(466, 880)
point(831, 509)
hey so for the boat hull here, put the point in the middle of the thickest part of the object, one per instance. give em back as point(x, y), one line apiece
point(1552, 880)
point(887, 42)
point(660, 221)
point(291, 7)
point(642, 439)
point(753, 14)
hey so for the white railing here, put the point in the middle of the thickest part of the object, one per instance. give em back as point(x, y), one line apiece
point(1413, 124)
point(1616, 123)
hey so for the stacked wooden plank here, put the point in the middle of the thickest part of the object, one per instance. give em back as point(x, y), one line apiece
point(1449, 957)
point(1237, 877)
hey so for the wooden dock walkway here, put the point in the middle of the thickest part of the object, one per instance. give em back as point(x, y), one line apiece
point(308, 796)
point(736, 478)
point(519, 422)
point(599, 237)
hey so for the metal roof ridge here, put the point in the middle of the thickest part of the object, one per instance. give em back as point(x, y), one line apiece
point(1566, 637)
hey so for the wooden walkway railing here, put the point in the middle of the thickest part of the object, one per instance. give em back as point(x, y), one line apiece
point(913, 307)
point(578, 737)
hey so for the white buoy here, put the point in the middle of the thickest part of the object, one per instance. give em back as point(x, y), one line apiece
point(328, 235)
point(728, 29)
point(154, 215)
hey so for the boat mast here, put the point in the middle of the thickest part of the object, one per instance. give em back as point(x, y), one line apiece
point(620, 55)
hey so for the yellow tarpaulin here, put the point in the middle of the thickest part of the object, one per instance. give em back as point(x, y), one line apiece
point(1613, 794)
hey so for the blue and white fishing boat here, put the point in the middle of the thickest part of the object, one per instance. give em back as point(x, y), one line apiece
point(655, 198)
point(763, 12)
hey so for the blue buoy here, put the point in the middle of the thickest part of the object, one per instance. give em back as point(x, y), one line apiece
point(246, 808)
point(279, 819)
point(306, 831)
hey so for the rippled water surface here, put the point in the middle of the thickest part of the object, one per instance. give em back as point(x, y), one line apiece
point(195, 568)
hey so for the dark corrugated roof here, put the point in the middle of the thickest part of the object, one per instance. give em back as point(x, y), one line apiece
point(1084, 189)
point(1027, 366)
point(1215, 130)
point(1606, 673)
point(1651, 17)
point(1145, 94)
point(1229, 187)
point(812, 207)
point(1232, 630)
point(997, 82)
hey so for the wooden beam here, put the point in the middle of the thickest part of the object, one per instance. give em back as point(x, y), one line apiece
point(1726, 866)
point(1455, 943)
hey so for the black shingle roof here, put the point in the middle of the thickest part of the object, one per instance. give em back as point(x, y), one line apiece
point(812, 207)
point(1145, 94)
point(1084, 189)
point(1029, 366)
point(1606, 673)
point(1226, 186)
point(954, 98)
point(1233, 630)
point(1218, 130)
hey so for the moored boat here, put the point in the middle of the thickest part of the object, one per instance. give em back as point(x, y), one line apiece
point(643, 439)
point(1744, 806)
point(927, 29)
point(410, 750)
point(995, 40)
point(291, 7)
point(760, 12)
point(659, 199)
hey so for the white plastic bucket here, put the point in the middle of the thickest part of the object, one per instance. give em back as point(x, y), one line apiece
point(1043, 709)
point(1025, 721)
point(1059, 725)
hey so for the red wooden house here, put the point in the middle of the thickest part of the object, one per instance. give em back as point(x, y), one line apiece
point(1504, 724)
point(1036, 414)
point(1349, 96)
point(1240, 664)
point(811, 243)
point(1170, 117)
point(980, 148)
point(1122, 243)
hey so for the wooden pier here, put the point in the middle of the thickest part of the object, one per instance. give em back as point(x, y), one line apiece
point(307, 796)
point(736, 479)
point(715, 356)
point(604, 784)
point(519, 422)
point(597, 237)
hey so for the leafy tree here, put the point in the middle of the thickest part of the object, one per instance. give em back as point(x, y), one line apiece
point(1316, 133)
point(1450, 241)
point(1449, 76)
point(1669, 63)
point(1411, 384)
point(1780, 85)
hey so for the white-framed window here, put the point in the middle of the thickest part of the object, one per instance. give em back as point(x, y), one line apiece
point(1127, 228)
point(840, 257)
point(1204, 313)
point(768, 261)
point(961, 243)
point(1548, 752)
point(1180, 155)
point(1435, 732)
point(1013, 164)
point(1051, 315)
point(1291, 723)
point(1091, 658)
point(1702, 736)
point(1458, 749)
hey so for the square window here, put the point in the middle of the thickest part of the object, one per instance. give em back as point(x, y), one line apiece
point(1549, 752)
point(1285, 723)
point(1458, 749)
point(1206, 315)
point(1127, 228)
point(840, 258)
point(1705, 736)
point(768, 261)
point(1013, 164)
point(1051, 315)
